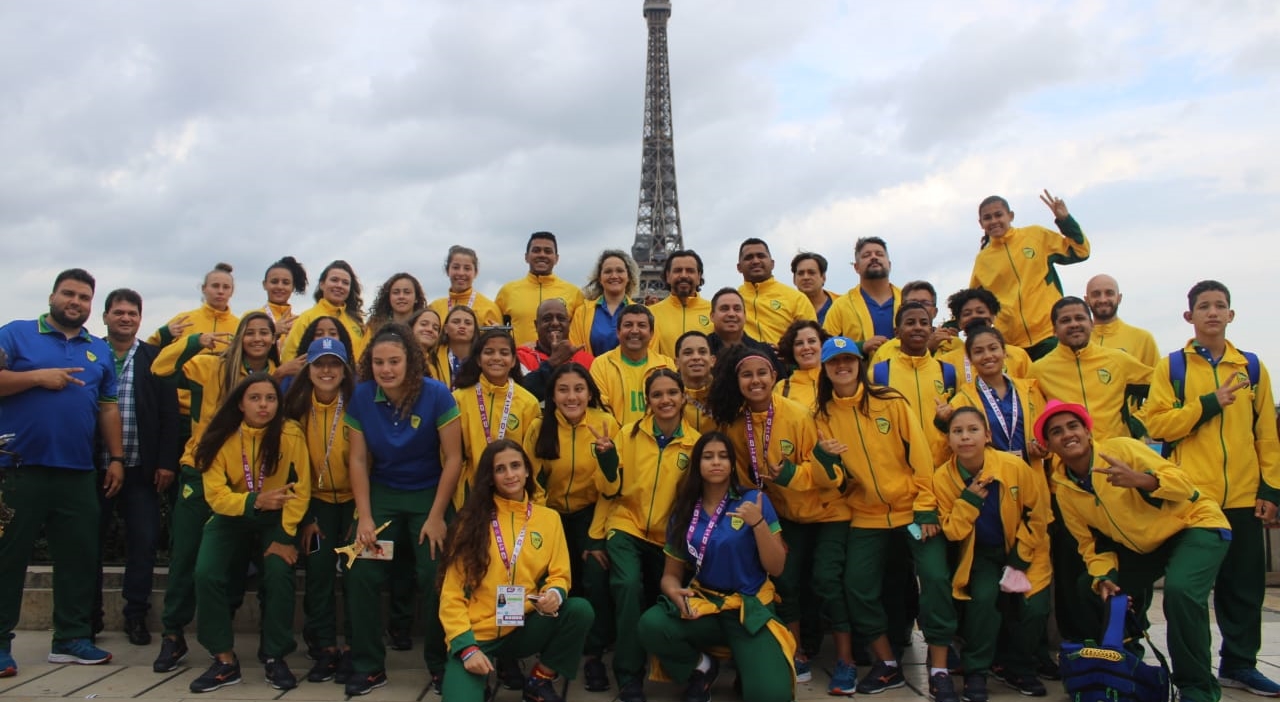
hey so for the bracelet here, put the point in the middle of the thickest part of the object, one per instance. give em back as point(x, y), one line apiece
point(468, 652)
point(753, 526)
point(116, 459)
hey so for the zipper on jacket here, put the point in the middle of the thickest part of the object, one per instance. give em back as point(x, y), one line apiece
point(653, 491)
point(1022, 317)
point(888, 517)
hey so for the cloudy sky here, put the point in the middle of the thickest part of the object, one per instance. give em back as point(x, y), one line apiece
point(148, 140)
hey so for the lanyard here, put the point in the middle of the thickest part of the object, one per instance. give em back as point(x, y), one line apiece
point(471, 301)
point(1010, 427)
point(510, 565)
point(701, 551)
point(455, 365)
point(267, 308)
point(506, 411)
point(751, 443)
point(248, 474)
point(328, 444)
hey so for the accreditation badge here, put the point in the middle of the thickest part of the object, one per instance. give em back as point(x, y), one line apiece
point(510, 605)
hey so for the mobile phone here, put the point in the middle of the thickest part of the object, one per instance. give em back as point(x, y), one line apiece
point(915, 531)
point(313, 544)
point(382, 550)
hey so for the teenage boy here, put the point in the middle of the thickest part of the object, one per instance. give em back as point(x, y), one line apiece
point(978, 307)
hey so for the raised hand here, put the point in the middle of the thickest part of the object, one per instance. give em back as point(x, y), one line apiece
point(284, 325)
point(1227, 393)
point(943, 409)
point(750, 512)
point(603, 442)
point(835, 447)
point(1121, 475)
point(1055, 205)
point(210, 340)
point(978, 485)
point(290, 368)
point(179, 325)
point(274, 499)
point(58, 378)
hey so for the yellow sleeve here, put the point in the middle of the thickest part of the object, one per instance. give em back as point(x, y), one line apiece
point(580, 327)
point(218, 486)
point(558, 573)
point(295, 336)
point(1264, 438)
point(1033, 529)
point(842, 319)
point(295, 462)
point(920, 458)
point(602, 374)
point(955, 516)
point(455, 614)
point(172, 357)
point(1160, 414)
point(1174, 485)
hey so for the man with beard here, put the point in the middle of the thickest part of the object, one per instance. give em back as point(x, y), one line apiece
point(770, 305)
point(1103, 295)
point(518, 300)
point(552, 349)
point(728, 317)
point(865, 313)
point(58, 391)
point(620, 373)
point(809, 273)
point(683, 310)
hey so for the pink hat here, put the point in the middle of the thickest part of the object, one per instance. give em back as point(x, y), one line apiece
point(1057, 407)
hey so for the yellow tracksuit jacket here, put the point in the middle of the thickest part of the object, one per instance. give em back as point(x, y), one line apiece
point(1030, 403)
point(1017, 364)
point(921, 381)
point(696, 411)
point(1018, 268)
point(1231, 453)
point(850, 317)
point(801, 387)
point(227, 492)
point(524, 410)
point(1105, 381)
point(518, 301)
point(486, 310)
point(621, 382)
point(888, 461)
point(570, 480)
point(466, 614)
point(203, 320)
point(640, 479)
point(673, 317)
point(331, 482)
point(1134, 341)
point(1024, 513)
point(584, 320)
point(771, 307)
point(324, 308)
point(1139, 521)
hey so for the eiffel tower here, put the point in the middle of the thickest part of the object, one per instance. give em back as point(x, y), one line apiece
point(658, 217)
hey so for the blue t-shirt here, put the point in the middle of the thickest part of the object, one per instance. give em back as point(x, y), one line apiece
point(1004, 405)
point(55, 428)
point(405, 451)
point(822, 311)
point(881, 315)
point(604, 327)
point(732, 563)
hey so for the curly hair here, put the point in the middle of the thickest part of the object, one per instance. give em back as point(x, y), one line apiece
point(593, 289)
point(354, 302)
point(380, 312)
point(787, 344)
point(296, 273)
point(415, 363)
point(724, 402)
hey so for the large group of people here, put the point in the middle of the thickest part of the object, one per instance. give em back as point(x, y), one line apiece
point(566, 471)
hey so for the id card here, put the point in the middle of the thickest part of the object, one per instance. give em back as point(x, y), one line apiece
point(510, 605)
point(383, 550)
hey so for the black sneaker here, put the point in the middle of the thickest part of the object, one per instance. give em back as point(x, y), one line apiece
point(538, 689)
point(399, 639)
point(698, 689)
point(882, 677)
point(1048, 669)
point(314, 650)
point(942, 688)
point(510, 673)
point(346, 670)
point(136, 630)
point(1028, 685)
point(361, 684)
point(595, 677)
point(172, 653)
point(279, 676)
point(218, 675)
point(975, 688)
point(632, 692)
point(325, 667)
point(437, 683)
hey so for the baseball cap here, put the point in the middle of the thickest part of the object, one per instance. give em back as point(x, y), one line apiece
point(838, 346)
point(1056, 407)
point(327, 346)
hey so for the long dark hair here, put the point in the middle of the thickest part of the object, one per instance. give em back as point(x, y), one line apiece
point(689, 491)
point(415, 363)
point(297, 402)
point(548, 444)
point(469, 374)
point(826, 391)
point(353, 302)
point(381, 313)
point(433, 361)
point(309, 335)
point(724, 401)
point(648, 383)
point(468, 541)
point(226, 422)
point(233, 356)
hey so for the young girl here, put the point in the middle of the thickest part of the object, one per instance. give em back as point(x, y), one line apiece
point(801, 348)
point(997, 508)
point(491, 402)
point(337, 295)
point(722, 546)
point(612, 286)
point(213, 318)
point(319, 328)
point(694, 361)
point(405, 456)
point(397, 300)
point(254, 466)
point(503, 595)
point(282, 279)
point(460, 328)
point(462, 266)
point(562, 443)
point(318, 400)
point(640, 474)
point(1017, 266)
point(425, 324)
point(888, 462)
point(975, 307)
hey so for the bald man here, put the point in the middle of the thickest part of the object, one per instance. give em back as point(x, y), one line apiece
point(1103, 295)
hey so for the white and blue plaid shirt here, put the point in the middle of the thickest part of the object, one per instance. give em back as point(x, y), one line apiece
point(128, 410)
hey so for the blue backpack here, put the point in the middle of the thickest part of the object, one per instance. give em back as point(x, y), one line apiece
point(1106, 671)
point(1178, 380)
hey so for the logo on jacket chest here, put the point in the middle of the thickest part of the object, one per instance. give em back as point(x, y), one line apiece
point(775, 305)
point(882, 425)
point(1104, 376)
point(682, 461)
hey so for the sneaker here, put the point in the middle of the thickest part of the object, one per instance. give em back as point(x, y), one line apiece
point(595, 677)
point(510, 674)
point(217, 676)
point(698, 689)
point(942, 688)
point(975, 688)
point(437, 683)
point(346, 670)
point(361, 684)
point(172, 652)
point(882, 677)
point(136, 630)
point(8, 668)
point(1048, 669)
point(999, 672)
point(325, 667)
point(844, 681)
point(399, 639)
point(77, 651)
point(1028, 685)
point(1250, 680)
point(538, 689)
point(804, 671)
point(632, 692)
point(279, 676)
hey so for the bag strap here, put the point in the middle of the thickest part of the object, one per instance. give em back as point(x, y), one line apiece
point(948, 377)
point(880, 373)
point(1113, 635)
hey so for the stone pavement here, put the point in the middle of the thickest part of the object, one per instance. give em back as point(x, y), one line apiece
point(129, 675)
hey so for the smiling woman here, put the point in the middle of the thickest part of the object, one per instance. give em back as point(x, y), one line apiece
point(337, 295)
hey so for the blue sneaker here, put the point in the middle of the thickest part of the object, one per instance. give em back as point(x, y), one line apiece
point(844, 681)
point(77, 651)
point(804, 671)
point(8, 668)
point(1250, 680)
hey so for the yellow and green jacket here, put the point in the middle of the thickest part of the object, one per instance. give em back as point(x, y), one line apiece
point(850, 317)
point(621, 382)
point(1134, 341)
point(1231, 453)
point(467, 615)
point(228, 494)
point(696, 411)
point(518, 301)
point(1106, 381)
point(1024, 513)
point(487, 313)
point(887, 462)
point(1017, 364)
point(1137, 520)
point(570, 480)
point(584, 320)
point(331, 483)
point(324, 308)
point(771, 307)
point(524, 410)
point(203, 320)
point(672, 318)
point(1030, 404)
point(640, 479)
point(920, 379)
point(1018, 268)
point(801, 386)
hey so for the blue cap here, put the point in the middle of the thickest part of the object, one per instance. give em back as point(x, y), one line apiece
point(840, 345)
point(327, 346)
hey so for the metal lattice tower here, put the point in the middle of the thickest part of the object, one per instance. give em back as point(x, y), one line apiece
point(658, 217)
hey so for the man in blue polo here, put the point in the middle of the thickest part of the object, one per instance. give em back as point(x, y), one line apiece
point(58, 390)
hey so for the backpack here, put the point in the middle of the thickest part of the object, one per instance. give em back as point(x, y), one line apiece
point(1106, 671)
point(880, 375)
point(1178, 380)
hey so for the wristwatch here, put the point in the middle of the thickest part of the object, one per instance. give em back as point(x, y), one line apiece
point(116, 459)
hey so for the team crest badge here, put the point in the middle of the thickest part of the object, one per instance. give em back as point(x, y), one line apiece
point(736, 523)
point(1013, 490)
point(882, 425)
point(1029, 252)
point(1104, 375)
point(775, 304)
point(1242, 378)
point(186, 491)
point(415, 421)
point(93, 358)
point(682, 461)
point(704, 320)
point(536, 539)
point(939, 387)
point(513, 421)
point(788, 448)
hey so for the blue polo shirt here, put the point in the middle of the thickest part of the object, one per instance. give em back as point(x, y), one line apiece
point(55, 428)
point(732, 562)
point(604, 327)
point(881, 315)
point(405, 450)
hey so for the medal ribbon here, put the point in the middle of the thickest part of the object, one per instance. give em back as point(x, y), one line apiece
point(989, 397)
point(751, 443)
point(244, 462)
point(700, 551)
point(328, 444)
point(510, 565)
point(506, 412)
